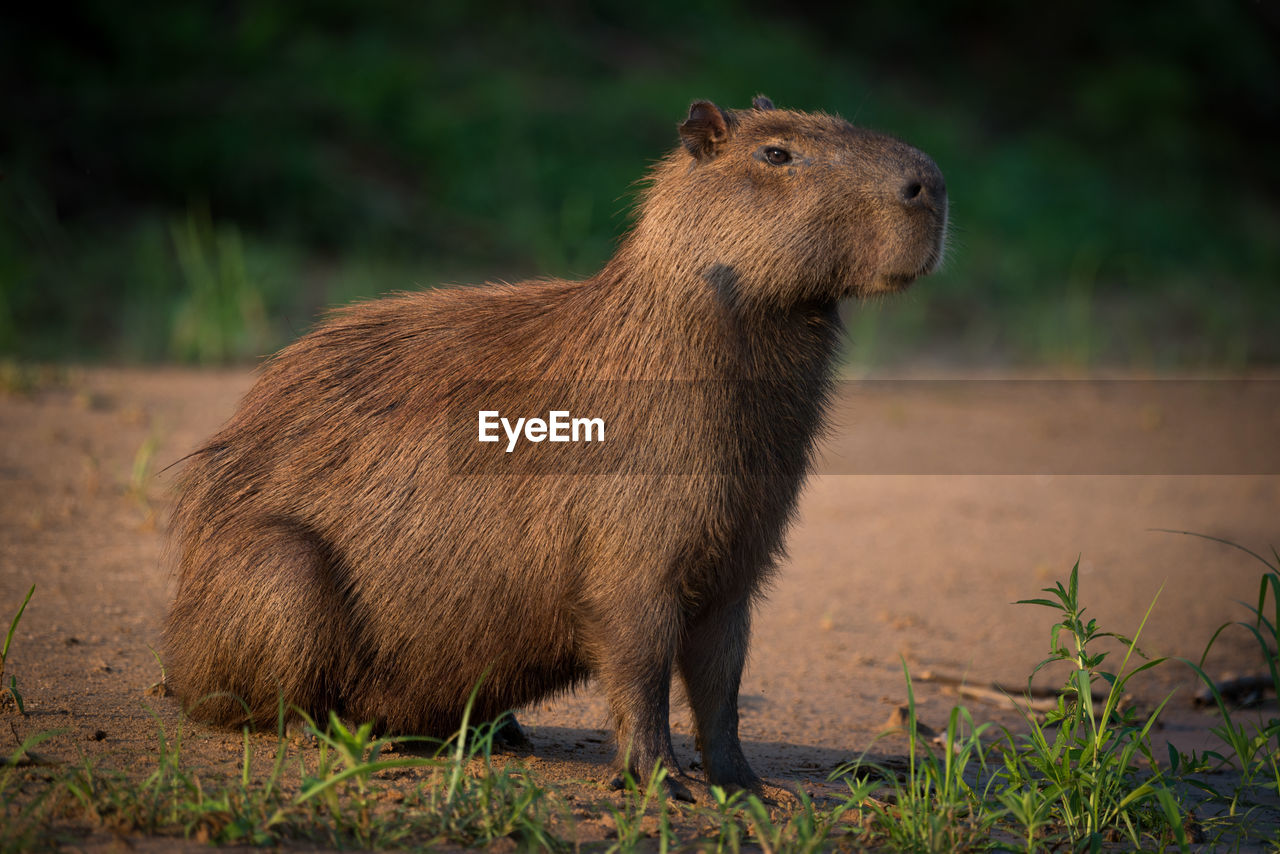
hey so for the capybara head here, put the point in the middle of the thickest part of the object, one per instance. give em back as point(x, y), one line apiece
point(793, 207)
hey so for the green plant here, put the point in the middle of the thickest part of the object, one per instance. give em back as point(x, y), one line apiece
point(1082, 757)
point(487, 805)
point(21, 815)
point(1074, 777)
point(342, 798)
point(221, 317)
point(935, 807)
point(348, 756)
point(310, 161)
point(736, 818)
point(1255, 747)
point(18, 379)
point(1029, 804)
point(140, 474)
point(806, 829)
point(631, 817)
point(11, 690)
point(724, 812)
point(131, 806)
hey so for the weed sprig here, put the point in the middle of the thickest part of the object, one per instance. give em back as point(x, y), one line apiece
point(1082, 758)
point(1252, 747)
point(11, 690)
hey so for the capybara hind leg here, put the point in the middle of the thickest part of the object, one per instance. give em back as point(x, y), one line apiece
point(711, 658)
point(259, 625)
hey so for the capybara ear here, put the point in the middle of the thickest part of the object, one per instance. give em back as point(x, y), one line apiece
point(762, 102)
point(705, 131)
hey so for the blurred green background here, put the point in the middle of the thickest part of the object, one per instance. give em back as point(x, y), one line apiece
point(197, 181)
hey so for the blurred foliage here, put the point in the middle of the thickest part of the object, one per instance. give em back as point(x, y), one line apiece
point(197, 181)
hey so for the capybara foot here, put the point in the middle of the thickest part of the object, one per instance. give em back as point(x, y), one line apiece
point(672, 788)
point(510, 736)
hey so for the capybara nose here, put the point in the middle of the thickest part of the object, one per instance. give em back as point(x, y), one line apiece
point(923, 187)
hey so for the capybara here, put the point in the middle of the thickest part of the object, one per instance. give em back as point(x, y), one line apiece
point(338, 546)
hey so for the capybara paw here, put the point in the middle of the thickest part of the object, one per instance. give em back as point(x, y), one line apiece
point(672, 788)
point(510, 736)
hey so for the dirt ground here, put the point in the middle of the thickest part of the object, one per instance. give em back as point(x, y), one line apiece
point(976, 496)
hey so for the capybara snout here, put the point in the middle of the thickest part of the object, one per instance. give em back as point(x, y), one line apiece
point(915, 204)
point(923, 188)
point(332, 554)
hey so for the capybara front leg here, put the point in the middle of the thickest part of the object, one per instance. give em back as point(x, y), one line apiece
point(635, 670)
point(711, 660)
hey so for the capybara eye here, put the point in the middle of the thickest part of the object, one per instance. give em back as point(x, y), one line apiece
point(777, 156)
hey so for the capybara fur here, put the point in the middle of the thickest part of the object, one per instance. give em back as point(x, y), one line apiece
point(334, 551)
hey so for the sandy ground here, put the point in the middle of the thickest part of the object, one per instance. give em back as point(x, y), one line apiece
point(978, 495)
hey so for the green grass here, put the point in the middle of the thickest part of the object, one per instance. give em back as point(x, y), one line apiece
point(644, 810)
point(220, 316)
point(1250, 747)
point(11, 689)
point(24, 814)
point(1083, 758)
point(935, 806)
point(1072, 779)
point(1083, 778)
point(20, 817)
point(345, 792)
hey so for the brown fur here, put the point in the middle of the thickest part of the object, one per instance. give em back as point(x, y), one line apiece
point(332, 548)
